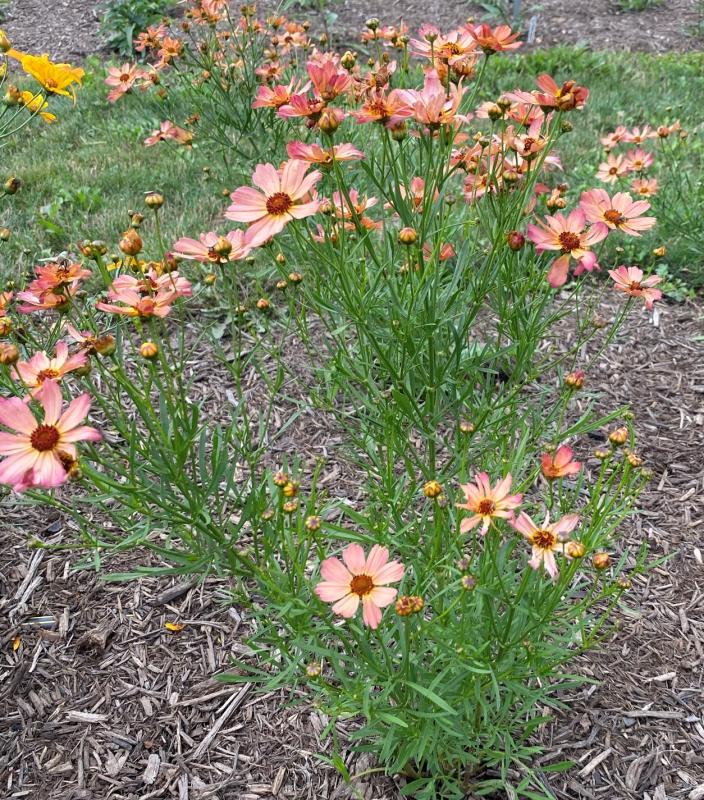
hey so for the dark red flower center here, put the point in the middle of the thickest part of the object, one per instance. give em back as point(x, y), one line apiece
point(278, 204)
point(361, 585)
point(543, 539)
point(48, 375)
point(569, 241)
point(486, 507)
point(45, 438)
point(614, 217)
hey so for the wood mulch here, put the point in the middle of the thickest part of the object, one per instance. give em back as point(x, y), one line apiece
point(70, 29)
point(100, 700)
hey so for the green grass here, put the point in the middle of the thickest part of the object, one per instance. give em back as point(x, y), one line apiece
point(82, 175)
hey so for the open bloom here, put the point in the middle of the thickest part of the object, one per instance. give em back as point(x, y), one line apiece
point(40, 368)
point(122, 79)
point(630, 281)
point(487, 502)
point(59, 273)
point(568, 235)
point(387, 109)
point(149, 296)
point(494, 40)
point(612, 169)
point(560, 463)
point(645, 187)
point(55, 78)
point(215, 249)
point(168, 132)
point(546, 540)
point(619, 212)
point(42, 454)
point(315, 154)
point(639, 160)
point(432, 105)
point(612, 139)
point(285, 195)
point(359, 579)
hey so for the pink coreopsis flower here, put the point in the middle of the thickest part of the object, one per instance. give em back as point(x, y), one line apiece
point(275, 96)
point(569, 236)
point(432, 105)
point(122, 79)
point(359, 579)
point(560, 463)
point(612, 169)
point(487, 502)
point(566, 97)
point(640, 135)
point(315, 154)
point(619, 212)
point(639, 160)
point(300, 105)
point(41, 454)
point(612, 139)
point(496, 40)
point(40, 368)
point(211, 248)
point(169, 132)
point(286, 194)
point(35, 298)
point(387, 109)
point(546, 540)
point(329, 79)
point(630, 281)
point(150, 296)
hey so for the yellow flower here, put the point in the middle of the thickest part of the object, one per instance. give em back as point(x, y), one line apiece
point(55, 78)
point(36, 104)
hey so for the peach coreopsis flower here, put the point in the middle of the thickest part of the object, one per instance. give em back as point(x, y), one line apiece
point(639, 135)
point(34, 298)
point(329, 79)
point(645, 187)
point(619, 212)
point(40, 368)
point(59, 273)
point(168, 132)
point(150, 296)
point(40, 454)
point(494, 40)
point(615, 137)
point(325, 156)
point(570, 236)
point(211, 248)
point(433, 105)
point(486, 502)
point(560, 463)
point(387, 109)
point(612, 169)
point(300, 105)
point(122, 79)
point(566, 97)
point(359, 579)
point(639, 160)
point(276, 96)
point(630, 281)
point(151, 38)
point(286, 194)
point(546, 539)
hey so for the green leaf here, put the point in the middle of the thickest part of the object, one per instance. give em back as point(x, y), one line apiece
point(434, 698)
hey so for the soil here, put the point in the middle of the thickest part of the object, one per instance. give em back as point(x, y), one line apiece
point(70, 29)
point(98, 699)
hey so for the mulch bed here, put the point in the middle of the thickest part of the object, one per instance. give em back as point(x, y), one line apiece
point(70, 29)
point(100, 700)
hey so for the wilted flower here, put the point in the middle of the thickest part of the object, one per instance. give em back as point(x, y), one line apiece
point(359, 579)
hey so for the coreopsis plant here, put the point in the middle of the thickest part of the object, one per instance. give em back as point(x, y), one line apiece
point(442, 281)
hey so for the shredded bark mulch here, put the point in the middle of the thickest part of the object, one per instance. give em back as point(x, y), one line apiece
point(70, 29)
point(99, 699)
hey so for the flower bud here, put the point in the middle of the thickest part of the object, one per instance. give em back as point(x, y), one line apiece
point(5, 43)
point(659, 252)
point(154, 200)
point(6, 326)
point(634, 459)
point(624, 582)
point(313, 523)
point(12, 185)
point(290, 489)
point(290, 506)
point(602, 454)
point(267, 514)
point(601, 560)
point(280, 258)
point(5, 233)
point(280, 479)
point(409, 604)
point(131, 242)
point(432, 489)
point(575, 549)
point(329, 120)
point(468, 582)
point(494, 111)
point(619, 436)
point(464, 564)
point(372, 23)
point(399, 132)
point(263, 304)
point(575, 380)
point(281, 285)
point(503, 103)
point(515, 240)
point(566, 126)
point(83, 370)
point(149, 350)
point(348, 60)
point(9, 353)
point(408, 236)
point(295, 277)
point(314, 669)
point(467, 427)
